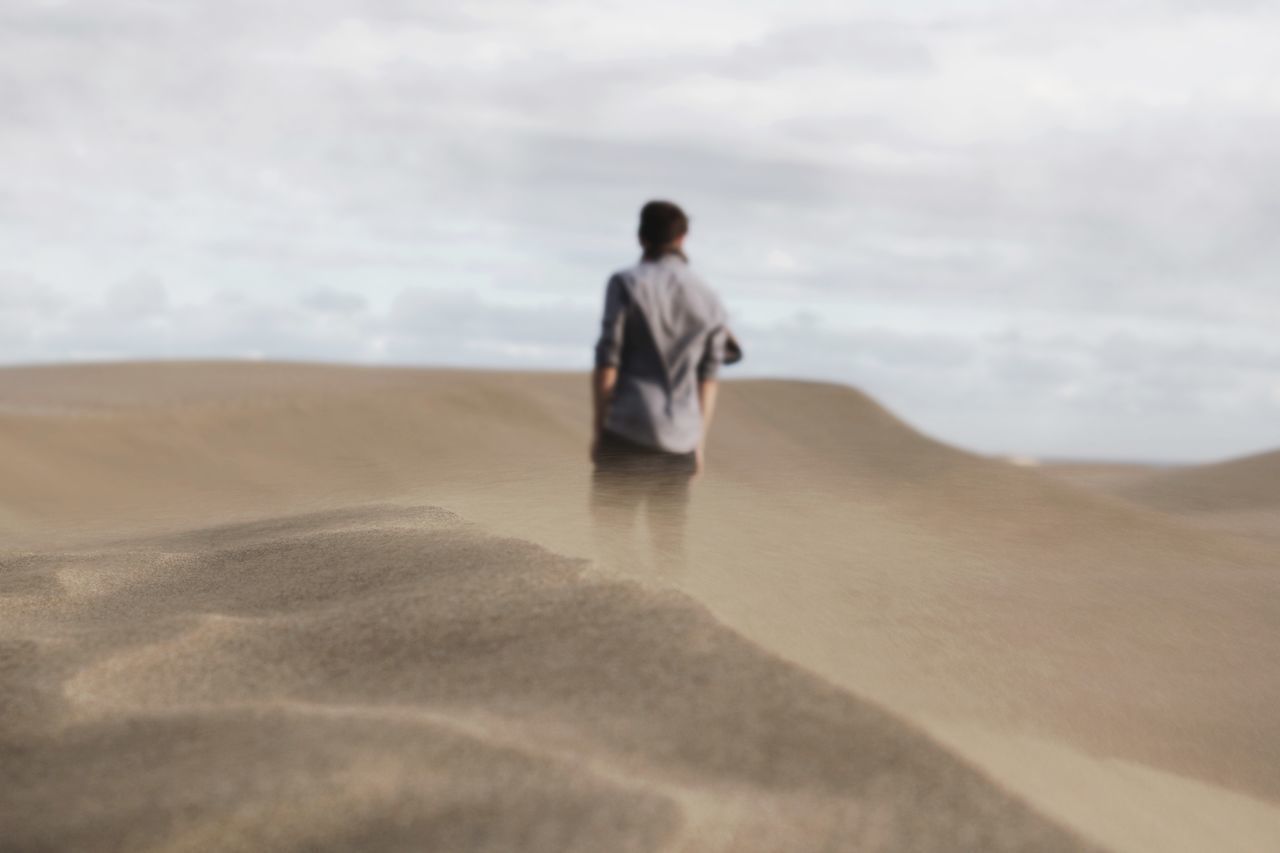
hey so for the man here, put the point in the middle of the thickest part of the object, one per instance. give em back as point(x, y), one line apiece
point(662, 341)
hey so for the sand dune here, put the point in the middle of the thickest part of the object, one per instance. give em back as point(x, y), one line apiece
point(1107, 477)
point(1239, 495)
point(1239, 484)
point(226, 584)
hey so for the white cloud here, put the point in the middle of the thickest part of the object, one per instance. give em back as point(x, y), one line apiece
point(1096, 175)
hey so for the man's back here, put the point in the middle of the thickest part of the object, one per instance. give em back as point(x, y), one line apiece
point(665, 330)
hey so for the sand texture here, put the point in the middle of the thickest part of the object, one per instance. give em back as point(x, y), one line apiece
point(289, 607)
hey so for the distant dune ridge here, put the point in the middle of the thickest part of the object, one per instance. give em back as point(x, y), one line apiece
point(282, 606)
point(1239, 495)
point(1249, 483)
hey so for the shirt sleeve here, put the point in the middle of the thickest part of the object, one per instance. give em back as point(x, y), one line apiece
point(713, 354)
point(609, 346)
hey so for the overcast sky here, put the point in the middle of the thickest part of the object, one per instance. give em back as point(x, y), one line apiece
point(1035, 227)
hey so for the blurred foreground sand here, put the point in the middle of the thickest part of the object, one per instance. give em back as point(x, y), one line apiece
point(280, 606)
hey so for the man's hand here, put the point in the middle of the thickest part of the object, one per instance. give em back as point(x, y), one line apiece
point(699, 462)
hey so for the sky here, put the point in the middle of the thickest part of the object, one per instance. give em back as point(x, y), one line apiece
point(1037, 227)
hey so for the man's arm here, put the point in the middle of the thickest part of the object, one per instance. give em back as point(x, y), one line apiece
point(603, 379)
point(608, 356)
point(707, 390)
point(708, 367)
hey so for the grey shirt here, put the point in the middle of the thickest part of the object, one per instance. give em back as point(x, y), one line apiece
point(665, 330)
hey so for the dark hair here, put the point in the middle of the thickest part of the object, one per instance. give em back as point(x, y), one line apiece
point(661, 224)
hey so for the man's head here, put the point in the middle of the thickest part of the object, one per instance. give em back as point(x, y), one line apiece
point(662, 228)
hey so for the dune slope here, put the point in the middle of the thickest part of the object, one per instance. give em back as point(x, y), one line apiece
point(389, 678)
point(1240, 496)
point(1252, 482)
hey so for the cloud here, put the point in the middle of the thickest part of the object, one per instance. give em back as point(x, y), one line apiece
point(394, 180)
point(330, 301)
point(142, 296)
point(135, 318)
point(865, 46)
point(1117, 396)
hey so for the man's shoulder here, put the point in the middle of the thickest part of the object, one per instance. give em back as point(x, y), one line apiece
point(624, 275)
point(643, 272)
point(695, 285)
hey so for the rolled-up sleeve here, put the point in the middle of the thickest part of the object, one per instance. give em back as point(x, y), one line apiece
point(713, 354)
point(609, 346)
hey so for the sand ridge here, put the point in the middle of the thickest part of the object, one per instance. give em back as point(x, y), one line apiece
point(1239, 496)
point(1252, 482)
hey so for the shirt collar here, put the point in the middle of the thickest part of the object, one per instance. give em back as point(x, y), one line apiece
point(669, 253)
